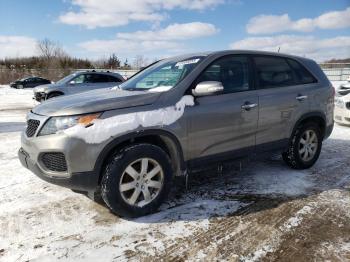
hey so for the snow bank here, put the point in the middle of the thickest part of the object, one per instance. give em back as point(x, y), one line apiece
point(102, 129)
point(18, 99)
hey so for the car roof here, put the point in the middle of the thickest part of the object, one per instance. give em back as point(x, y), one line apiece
point(234, 51)
point(96, 72)
point(29, 77)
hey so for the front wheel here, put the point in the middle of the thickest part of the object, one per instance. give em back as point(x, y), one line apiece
point(305, 147)
point(136, 180)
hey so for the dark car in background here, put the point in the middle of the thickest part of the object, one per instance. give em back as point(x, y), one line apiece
point(78, 82)
point(29, 82)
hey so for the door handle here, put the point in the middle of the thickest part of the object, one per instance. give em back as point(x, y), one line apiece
point(247, 106)
point(301, 97)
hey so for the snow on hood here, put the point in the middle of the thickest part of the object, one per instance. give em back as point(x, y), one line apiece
point(346, 85)
point(103, 129)
point(156, 89)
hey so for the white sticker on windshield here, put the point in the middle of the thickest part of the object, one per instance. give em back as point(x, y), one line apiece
point(187, 62)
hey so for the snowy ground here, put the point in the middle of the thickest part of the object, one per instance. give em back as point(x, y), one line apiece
point(265, 212)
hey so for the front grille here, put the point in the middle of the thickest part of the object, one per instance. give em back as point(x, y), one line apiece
point(54, 161)
point(32, 126)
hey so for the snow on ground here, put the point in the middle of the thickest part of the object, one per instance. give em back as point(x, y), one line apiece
point(266, 211)
point(16, 99)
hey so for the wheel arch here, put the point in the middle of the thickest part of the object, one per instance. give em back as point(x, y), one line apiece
point(316, 117)
point(54, 92)
point(164, 139)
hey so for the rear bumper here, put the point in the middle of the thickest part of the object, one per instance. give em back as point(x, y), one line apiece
point(83, 181)
point(328, 131)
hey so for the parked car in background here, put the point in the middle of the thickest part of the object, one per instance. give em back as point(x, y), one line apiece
point(29, 82)
point(179, 114)
point(342, 104)
point(344, 89)
point(76, 83)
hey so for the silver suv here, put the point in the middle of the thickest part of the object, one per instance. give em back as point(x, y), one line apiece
point(76, 83)
point(177, 114)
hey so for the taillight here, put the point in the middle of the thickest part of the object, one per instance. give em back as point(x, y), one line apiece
point(333, 91)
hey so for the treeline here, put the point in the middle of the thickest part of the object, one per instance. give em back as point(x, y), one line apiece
point(53, 63)
point(346, 60)
point(37, 62)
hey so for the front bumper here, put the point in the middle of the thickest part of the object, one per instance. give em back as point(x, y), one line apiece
point(39, 96)
point(80, 158)
point(82, 181)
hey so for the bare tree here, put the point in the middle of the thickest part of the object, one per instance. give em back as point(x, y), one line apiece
point(54, 60)
point(50, 49)
point(140, 61)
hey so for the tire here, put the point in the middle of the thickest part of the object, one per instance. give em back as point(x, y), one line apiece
point(300, 156)
point(52, 95)
point(116, 175)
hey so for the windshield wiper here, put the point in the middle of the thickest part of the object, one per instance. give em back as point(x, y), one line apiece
point(136, 89)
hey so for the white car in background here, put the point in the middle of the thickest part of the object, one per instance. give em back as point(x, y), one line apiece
point(344, 89)
point(342, 104)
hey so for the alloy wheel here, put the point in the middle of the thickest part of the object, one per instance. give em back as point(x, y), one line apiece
point(141, 182)
point(308, 145)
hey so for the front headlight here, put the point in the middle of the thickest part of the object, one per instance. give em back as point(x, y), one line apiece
point(55, 124)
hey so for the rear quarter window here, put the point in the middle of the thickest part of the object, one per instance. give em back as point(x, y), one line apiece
point(302, 75)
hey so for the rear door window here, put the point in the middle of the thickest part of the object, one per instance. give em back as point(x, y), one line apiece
point(99, 78)
point(113, 79)
point(273, 72)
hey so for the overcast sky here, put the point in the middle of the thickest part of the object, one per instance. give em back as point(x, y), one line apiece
point(318, 29)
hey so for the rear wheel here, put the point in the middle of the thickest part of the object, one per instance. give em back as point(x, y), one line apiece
point(136, 180)
point(305, 147)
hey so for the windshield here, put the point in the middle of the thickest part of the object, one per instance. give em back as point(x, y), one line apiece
point(65, 79)
point(162, 76)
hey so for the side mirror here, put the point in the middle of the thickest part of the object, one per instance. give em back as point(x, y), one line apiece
point(207, 88)
point(72, 82)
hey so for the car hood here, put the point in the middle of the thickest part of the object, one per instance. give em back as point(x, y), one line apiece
point(43, 88)
point(94, 101)
point(346, 85)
